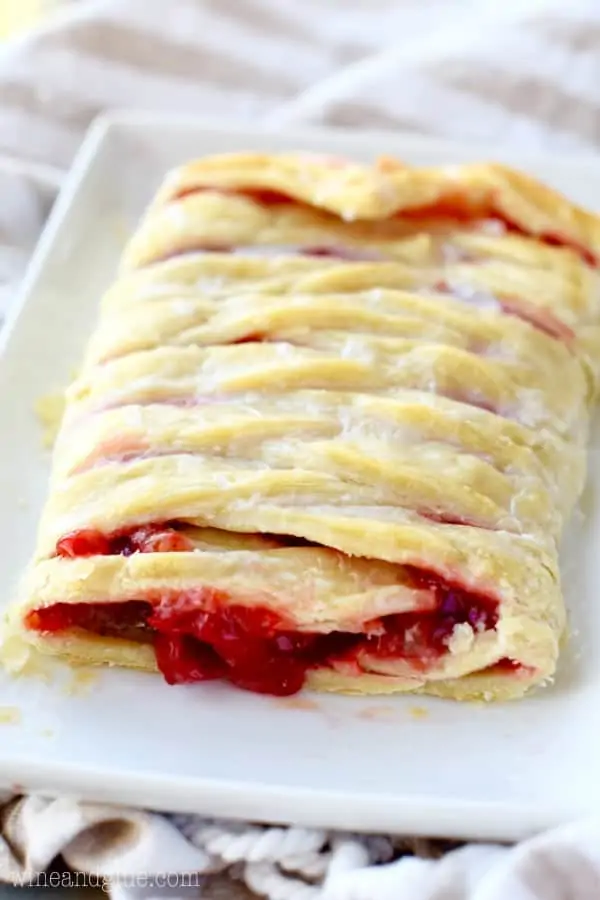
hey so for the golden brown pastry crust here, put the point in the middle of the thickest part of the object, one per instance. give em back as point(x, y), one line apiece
point(396, 406)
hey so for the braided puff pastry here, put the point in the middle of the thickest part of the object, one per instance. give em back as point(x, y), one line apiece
point(327, 433)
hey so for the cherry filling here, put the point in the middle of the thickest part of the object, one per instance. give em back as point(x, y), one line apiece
point(204, 635)
point(457, 208)
point(145, 539)
point(110, 619)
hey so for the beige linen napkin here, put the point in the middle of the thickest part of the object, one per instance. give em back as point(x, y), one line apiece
point(518, 72)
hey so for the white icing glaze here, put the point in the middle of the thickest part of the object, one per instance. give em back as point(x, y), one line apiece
point(492, 227)
point(474, 296)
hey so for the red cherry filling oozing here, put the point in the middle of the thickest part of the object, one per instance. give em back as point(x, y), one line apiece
point(257, 649)
point(145, 539)
point(100, 618)
point(423, 637)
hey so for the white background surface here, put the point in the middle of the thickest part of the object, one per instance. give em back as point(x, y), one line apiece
point(472, 771)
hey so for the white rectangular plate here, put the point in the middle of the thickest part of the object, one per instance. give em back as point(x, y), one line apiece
point(404, 765)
